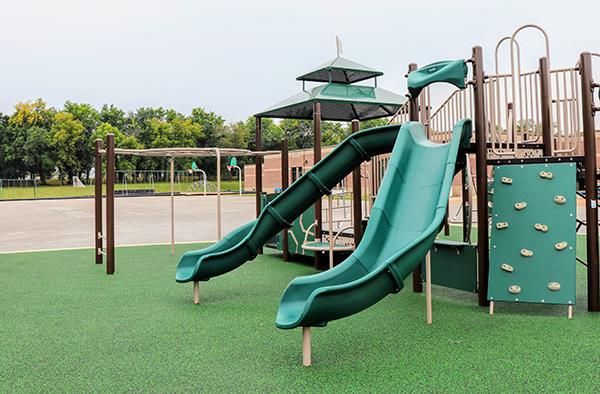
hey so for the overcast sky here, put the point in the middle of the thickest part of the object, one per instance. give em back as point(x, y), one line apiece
point(238, 57)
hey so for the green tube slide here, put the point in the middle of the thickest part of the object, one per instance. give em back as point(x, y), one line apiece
point(405, 219)
point(242, 244)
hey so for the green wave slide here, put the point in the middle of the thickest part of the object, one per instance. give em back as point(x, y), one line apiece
point(405, 219)
point(242, 244)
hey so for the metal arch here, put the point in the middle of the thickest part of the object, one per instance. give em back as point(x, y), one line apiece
point(512, 67)
point(498, 48)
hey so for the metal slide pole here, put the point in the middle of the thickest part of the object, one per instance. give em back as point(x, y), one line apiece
point(591, 195)
point(218, 194)
point(413, 116)
point(285, 183)
point(483, 246)
point(316, 159)
point(356, 195)
point(98, 201)
point(258, 170)
point(110, 204)
point(172, 206)
point(545, 102)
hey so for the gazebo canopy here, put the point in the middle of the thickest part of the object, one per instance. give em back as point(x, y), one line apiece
point(339, 102)
point(340, 70)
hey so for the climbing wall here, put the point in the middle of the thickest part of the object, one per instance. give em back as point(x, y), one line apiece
point(532, 246)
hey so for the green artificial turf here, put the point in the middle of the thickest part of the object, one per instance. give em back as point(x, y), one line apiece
point(65, 326)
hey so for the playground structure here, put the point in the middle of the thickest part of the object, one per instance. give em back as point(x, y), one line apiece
point(532, 139)
point(110, 153)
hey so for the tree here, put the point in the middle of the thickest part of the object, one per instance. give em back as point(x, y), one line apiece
point(115, 117)
point(332, 133)
point(212, 126)
point(37, 152)
point(70, 143)
point(299, 133)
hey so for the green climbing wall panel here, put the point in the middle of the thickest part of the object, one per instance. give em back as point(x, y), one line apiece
point(532, 247)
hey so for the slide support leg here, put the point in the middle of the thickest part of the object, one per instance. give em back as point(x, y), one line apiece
point(196, 292)
point(428, 289)
point(306, 351)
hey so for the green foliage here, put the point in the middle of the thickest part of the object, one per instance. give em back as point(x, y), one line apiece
point(37, 139)
point(70, 143)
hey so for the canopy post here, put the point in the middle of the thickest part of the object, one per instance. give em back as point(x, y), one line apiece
point(258, 170)
point(98, 201)
point(172, 160)
point(218, 195)
point(356, 195)
point(483, 246)
point(110, 204)
point(591, 192)
point(316, 159)
point(285, 183)
point(413, 116)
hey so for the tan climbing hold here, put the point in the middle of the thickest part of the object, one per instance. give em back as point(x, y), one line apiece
point(514, 289)
point(554, 286)
point(541, 227)
point(546, 175)
point(507, 267)
point(560, 199)
point(561, 245)
point(506, 180)
point(490, 204)
point(501, 225)
point(526, 253)
point(520, 205)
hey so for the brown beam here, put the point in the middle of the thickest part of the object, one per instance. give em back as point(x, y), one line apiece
point(316, 159)
point(545, 102)
point(98, 200)
point(258, 170)
point(356, 195)
point(110, 204)
point(413, 116)
point(285, 183)
point(591, 195)
point(483, 246)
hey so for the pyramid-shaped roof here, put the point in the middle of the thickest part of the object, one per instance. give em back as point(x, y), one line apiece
point(340, 70)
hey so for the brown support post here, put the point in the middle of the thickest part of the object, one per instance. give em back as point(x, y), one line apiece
point(465, 192)
point(483, 246)
point(258, 170)
point(316, 159)
point(110, 204)
point(591, 195)
point(545, 102)
point(98, 200)
point(356, 195)
point(413, 115)
point(285, 183)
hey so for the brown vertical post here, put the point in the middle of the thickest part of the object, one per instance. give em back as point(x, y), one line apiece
point(316, 159)
point(356, 195)
point(258, 169)
point(483, 245)
point(591, 195)
point(98, 200)
point(545, 102)
point(110, 204)
point(465, 192)
point(285, 183)
point(413, 116)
